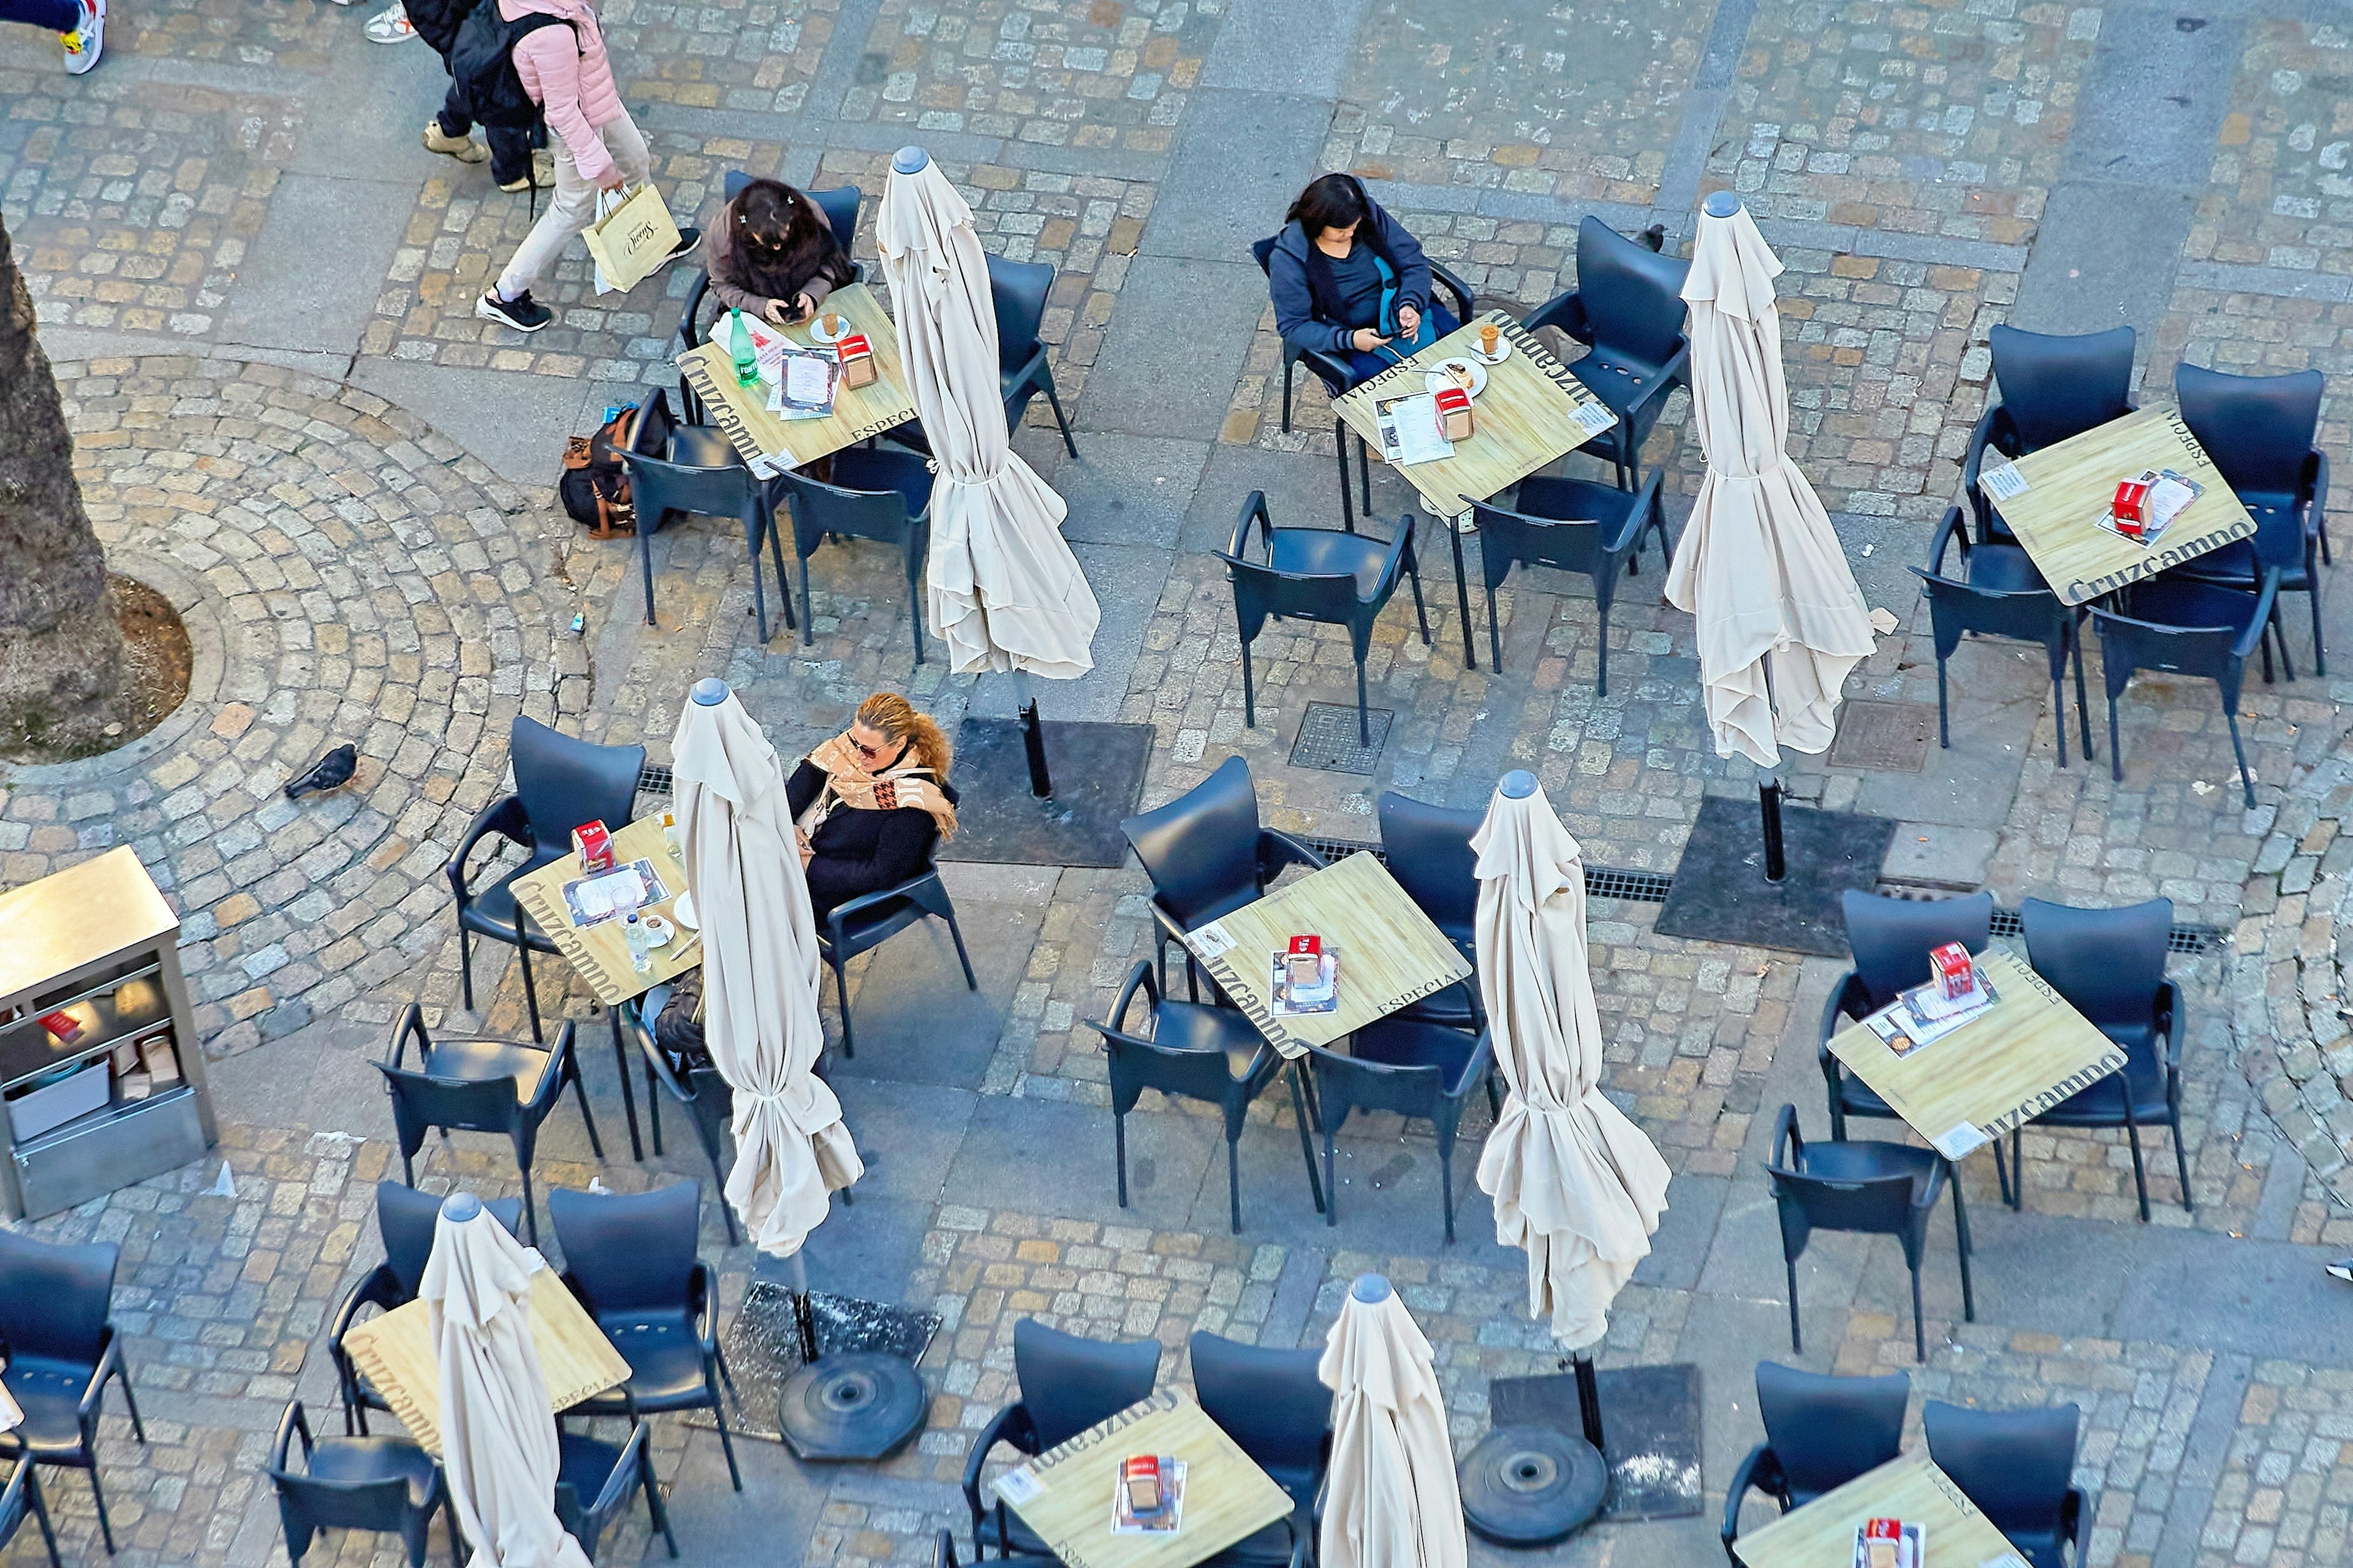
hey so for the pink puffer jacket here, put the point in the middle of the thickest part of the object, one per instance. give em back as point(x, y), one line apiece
point(574, 87)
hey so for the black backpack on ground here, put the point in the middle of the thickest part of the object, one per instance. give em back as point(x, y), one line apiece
point(594, 486)
point(481, 61)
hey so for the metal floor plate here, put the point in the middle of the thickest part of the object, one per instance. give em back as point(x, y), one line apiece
point(1649, 1432)
point(1883, 737)
point(764, 1348)
point(1328, 738)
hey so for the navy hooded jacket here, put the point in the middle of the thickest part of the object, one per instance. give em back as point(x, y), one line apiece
point(1299, 279)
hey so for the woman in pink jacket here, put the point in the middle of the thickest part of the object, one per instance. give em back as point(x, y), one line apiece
point(599, 147)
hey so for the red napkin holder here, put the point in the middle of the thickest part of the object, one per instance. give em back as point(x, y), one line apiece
point(1454, 414)
point(856, 357)
point(1955, 978)
point(2130, 508)
point(594, 847)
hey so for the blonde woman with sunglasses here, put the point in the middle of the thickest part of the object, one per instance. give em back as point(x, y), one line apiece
point(871, 802)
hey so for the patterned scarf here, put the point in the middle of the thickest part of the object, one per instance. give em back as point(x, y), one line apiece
point(851, 780)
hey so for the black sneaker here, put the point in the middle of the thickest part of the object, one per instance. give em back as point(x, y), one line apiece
point(524, 314)
point(688, 239)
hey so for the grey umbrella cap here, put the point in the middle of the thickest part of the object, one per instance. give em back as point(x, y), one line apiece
point(710, 691)
point(1723, 204)
point(1518, 784)
point(1370, 1289)
point(459, 1207)
point(910, 160)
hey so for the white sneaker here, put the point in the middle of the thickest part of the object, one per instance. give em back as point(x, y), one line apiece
point(2341, 1269)
point(390, 25)
point(87, 42)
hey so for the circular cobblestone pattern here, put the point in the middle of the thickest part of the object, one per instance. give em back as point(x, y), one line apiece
point(347, 573)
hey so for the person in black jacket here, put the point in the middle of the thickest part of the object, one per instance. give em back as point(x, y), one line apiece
point(450, 133)
point(871, 802)
point(1347, 279)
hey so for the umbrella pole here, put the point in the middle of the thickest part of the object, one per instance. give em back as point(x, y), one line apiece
point(1588, 1400)
point(1768, 801)
point(1033, 737)
point(804, 1320)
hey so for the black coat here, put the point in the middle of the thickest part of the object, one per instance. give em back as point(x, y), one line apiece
point(860, 852)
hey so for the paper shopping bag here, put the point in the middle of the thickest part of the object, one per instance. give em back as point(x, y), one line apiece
point(632, 235)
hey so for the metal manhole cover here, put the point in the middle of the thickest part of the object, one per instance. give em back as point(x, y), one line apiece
point(1328, 740)
point(1885, 737)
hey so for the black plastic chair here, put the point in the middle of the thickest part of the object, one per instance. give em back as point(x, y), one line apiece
point(1870, 1188)
point(2051, 388)
point(1194, 1052)
point(1327, 575)
point(1422, 1071)
point(2109, 964)
point(872, 919)
point(1208, 857)
point(1338, 375)
point(1570, 525)
point(1890, 938)
point(1819, 1433)
point(944, 1555)
point(604, 1476)
point(631, 1262)
point(2019, 1467)
point(2187, 628)
point(704, 1092)
point(2000, 594)
point(1018, 290)
point(2260, 430)
point(1428, 850)
point(716, 485)
point(560, 783)
point(53, 1305)
point(877, 493)
point(23, 1496)
point(1627, 306)
point(404, 1218)
point(1068, 1385)
point(474, 1085)
point(1271, 1403)
point(387, 1485)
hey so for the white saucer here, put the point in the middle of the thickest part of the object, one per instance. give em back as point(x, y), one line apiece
point(658, 931)
point(816, 328)
point(1438, 380)
point(1503, 351)
point(683, 907)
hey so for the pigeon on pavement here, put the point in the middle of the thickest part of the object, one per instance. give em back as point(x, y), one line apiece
point(331, 771)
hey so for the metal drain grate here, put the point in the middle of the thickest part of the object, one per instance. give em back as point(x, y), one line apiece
point(654, 779)
point(2190, 941)
point(1600, 881)
point(1327, 739)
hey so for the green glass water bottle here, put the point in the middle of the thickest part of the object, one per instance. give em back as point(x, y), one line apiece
point(739, 344)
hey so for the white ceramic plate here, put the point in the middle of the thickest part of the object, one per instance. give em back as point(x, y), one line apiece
point(1457, 371)
point(683, 907)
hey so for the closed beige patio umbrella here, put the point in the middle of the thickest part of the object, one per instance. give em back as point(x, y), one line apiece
point(1576, 1186)
point(759, 972)
point(498, 1438)
point(1391, 1500)
point(1758, 566)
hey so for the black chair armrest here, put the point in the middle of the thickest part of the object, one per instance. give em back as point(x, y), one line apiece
point(1011, 1426)
point(1337, 373)
point(291, 1425)
point(2075, 1515)
point(378, 1289)
point(2250, 640)
point(702, 1300)
point(1566, 312)
point(1442, 278)
point(1948, 531)
point(1982, 436)
point(551, 1082)
point(1393, 563)
point(1138, 977)
point(1277, 850)
point(411, 1025)
point(2315, 491)
point(1843, 1001)
point(1760, 1471)
point(865, 901)
point(689, 334)
point(2169, 1013)
point(1787, 1141)
point(504, 817)
point(1253, 511)
point(1638, 517)
point(110, 1362)
point(1481, 1061)
point(1676, 369)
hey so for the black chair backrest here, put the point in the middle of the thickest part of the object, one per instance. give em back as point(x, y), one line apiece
point(421, 1102)
point(405, 1217)
point(1172, 1065)
point(631, 1253)
point(1633, 294)
point(839, 205)
point(2146, 636)
point(1574, 546)
point(1873, 1205)
point(585, 1520)
point(1825, 1431)
point(1018, 290)
point(2108, 963)
point(1201, 848)
point(819, 509)
point(2032, 615)
point(2015, 1465)
point(2259, 429)
point(2053, 387)
point(1069, 1383)
point(1377, 1086)
point(307, 1504)
point(1428, 852)
point(1890, 937)
point(1269, 1401)
point(1318, 582)
point(54, 1298)
point(565, 781)
point(659, 487)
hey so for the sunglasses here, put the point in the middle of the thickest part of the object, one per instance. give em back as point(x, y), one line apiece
point(871, 754)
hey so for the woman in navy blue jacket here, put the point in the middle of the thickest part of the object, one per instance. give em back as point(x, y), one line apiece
point(1347, 279)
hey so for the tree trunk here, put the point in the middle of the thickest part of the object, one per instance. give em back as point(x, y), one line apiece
point(61, 647)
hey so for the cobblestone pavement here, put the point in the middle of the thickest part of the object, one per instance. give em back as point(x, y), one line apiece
point(382, 567)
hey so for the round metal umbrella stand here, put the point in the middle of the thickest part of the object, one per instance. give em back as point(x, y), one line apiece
point(859, 1406)
point(1531, 1486)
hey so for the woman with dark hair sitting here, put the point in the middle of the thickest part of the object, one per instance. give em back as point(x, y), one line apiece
point(871, 802)
point(1347, 279)
point(773, 255)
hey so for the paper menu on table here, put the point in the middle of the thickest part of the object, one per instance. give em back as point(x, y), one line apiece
point(1410, 430)
point(2002, 481)
point(1593, 418)
point(1959, 1141)
point(1020, 1485)
point(1921, 1017)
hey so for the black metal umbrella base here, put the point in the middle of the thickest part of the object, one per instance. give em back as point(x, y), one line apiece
point(1531, 1486)
point(855, 1406)
point(1721, 894)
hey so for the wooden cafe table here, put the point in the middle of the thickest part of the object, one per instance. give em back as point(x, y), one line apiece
point(767, 443)
point(1532, 410)
point(397, 1355)
point(1953, 1533)
point(598, 951)
point(1390, 953)
point(2052, 499)
point(1065, 1493)
point(2013, 1062)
